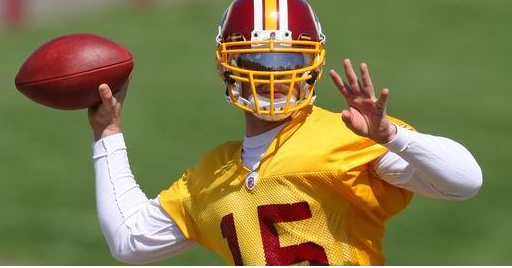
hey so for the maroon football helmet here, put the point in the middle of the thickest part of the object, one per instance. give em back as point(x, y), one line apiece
point(273, 49)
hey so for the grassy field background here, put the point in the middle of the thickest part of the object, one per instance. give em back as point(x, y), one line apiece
point(446, 62)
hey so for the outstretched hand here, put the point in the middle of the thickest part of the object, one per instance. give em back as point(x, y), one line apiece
point(366, 115)
point(105, 118)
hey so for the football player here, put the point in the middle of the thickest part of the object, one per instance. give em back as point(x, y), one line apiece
point(305, 185)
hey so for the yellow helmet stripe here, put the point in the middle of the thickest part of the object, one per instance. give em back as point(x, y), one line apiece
point(271, 15)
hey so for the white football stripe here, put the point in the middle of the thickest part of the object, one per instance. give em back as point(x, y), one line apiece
point(283, 14)
point(258, 15)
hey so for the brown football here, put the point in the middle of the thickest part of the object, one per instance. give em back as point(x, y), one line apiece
point(65, 72)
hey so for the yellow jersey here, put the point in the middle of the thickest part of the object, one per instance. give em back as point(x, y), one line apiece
point(316, 200)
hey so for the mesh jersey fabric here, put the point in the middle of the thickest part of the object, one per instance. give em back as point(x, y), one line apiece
point(317, 199)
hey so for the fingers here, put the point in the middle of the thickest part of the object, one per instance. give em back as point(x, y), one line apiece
point(346, 116)
point(351, 76)
point(356, 87)
point(338, 81)
point(365, 73)
point(107, 98)
point(121, 94)
point(367, 87)
point(381, 102)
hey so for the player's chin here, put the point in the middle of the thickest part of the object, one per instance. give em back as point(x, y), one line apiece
point(273, 118)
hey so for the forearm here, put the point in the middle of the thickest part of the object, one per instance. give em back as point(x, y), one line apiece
point(430, 165)
point(136, 229)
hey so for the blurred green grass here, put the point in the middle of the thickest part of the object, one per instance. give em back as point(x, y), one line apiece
point(446, 63)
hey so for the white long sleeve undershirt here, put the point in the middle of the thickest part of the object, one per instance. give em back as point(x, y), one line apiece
point(138, 230)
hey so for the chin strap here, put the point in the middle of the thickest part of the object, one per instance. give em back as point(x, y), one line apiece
point(273, 118)
point(279, 105)
point(264, 103)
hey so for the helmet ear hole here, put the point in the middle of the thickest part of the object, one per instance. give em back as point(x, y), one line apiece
point(228, 80)
point(312, 80)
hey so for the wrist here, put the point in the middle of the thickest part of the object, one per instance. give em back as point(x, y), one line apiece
point(390, 135)
point(105, 132)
